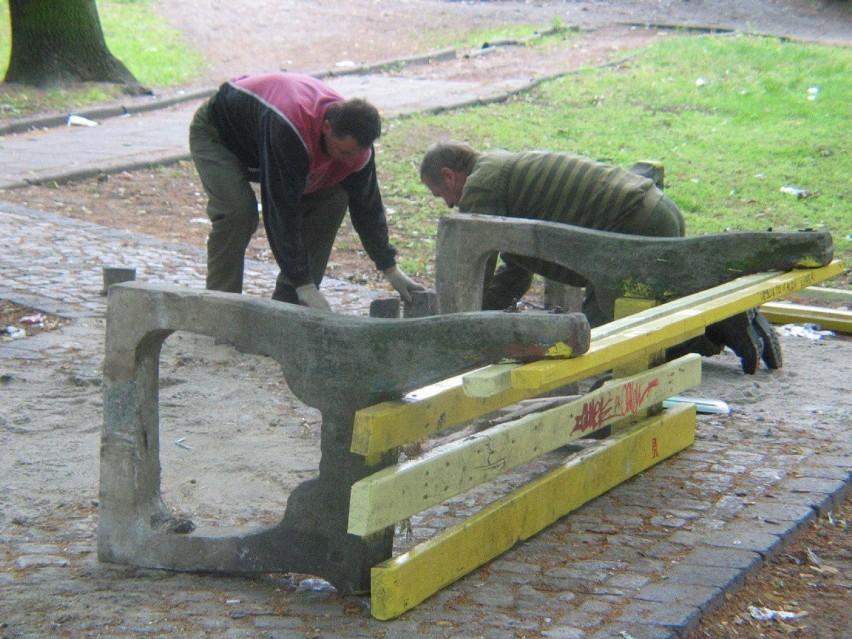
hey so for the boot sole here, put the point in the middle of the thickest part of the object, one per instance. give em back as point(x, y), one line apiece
point(771, 352)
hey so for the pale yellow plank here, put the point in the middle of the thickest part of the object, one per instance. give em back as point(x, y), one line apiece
point(625, 306)
point(400, 491)
point(401, 583)
point(585, 366)
point(830, 319)
point(843, 295)
point(489, 381)
point(661, 310)
point(391, 424)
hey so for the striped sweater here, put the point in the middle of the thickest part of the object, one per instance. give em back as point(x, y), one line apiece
point(555, 187)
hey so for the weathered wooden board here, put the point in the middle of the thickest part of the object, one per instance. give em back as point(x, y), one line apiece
point(391, 424)
point(406, 489)
point(401, 583)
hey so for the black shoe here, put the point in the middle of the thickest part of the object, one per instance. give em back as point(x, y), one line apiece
point(738, 334)
point(771, 347)
point(702, 345)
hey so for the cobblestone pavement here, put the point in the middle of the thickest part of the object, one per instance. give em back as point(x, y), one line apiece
point(647, 558)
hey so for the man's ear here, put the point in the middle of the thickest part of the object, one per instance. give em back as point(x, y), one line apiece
point(448, 175)
point(326, 127)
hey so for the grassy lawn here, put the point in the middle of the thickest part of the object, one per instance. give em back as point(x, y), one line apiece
point(754, 134)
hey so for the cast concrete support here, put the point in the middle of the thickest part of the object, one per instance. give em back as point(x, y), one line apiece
point(337, 364)
point(615, 264)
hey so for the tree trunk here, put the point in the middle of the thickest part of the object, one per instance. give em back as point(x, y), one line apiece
point(59, 42)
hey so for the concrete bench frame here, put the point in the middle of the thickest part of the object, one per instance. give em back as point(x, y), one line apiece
point(617, 265)
point(338, 364)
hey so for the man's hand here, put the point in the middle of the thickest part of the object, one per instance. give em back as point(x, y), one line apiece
point(311, 297)
point(403, 284)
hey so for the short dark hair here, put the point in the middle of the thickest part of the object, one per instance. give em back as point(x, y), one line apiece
point(450, 154)
point(355, 117)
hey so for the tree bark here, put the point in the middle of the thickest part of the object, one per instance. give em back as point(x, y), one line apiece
point(59, 42)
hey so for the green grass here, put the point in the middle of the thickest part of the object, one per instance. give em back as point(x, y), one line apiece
point(154, 52)
point(730, 117)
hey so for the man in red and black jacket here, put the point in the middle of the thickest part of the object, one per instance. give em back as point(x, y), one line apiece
point(312, 153)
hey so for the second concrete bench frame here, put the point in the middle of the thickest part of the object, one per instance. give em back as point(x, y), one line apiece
point(617, 265)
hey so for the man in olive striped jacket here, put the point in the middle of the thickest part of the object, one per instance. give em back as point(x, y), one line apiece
point(570, 189)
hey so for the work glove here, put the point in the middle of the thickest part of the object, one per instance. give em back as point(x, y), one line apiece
point(403, 284)
point(310, 296)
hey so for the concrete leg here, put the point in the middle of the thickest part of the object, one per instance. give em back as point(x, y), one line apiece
point(338, 364)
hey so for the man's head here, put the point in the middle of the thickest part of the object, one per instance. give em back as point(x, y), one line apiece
point(445, 168)
point(350, 128)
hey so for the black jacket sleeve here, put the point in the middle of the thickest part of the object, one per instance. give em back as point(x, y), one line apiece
point(283, 170)
point(368, 214)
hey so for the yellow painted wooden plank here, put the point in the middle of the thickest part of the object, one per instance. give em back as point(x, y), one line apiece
point(643, 341)
point(843, 295)
point(595, 361)
point(483, 383)
point(403, 490)
point(831, 319)
point(489, 381)
point(667, 329)
point(662, 310)
point(391, 424)
point(401, 583)
point(625, 306)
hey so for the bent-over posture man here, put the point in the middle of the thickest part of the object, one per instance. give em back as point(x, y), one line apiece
point(311, 151)
point(569, 189)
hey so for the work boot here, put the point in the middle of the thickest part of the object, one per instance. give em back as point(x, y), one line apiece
point(702, 345)
point(771, 347)
point(738, 334)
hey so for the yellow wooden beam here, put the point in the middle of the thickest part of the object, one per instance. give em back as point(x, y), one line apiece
point(661, 326)
point(486, 382)
point(830, 319)
point(403, 490)
point(489, 381)
point(625, 306)
point(401, 583)
point(843, 295)
point(392, 424)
